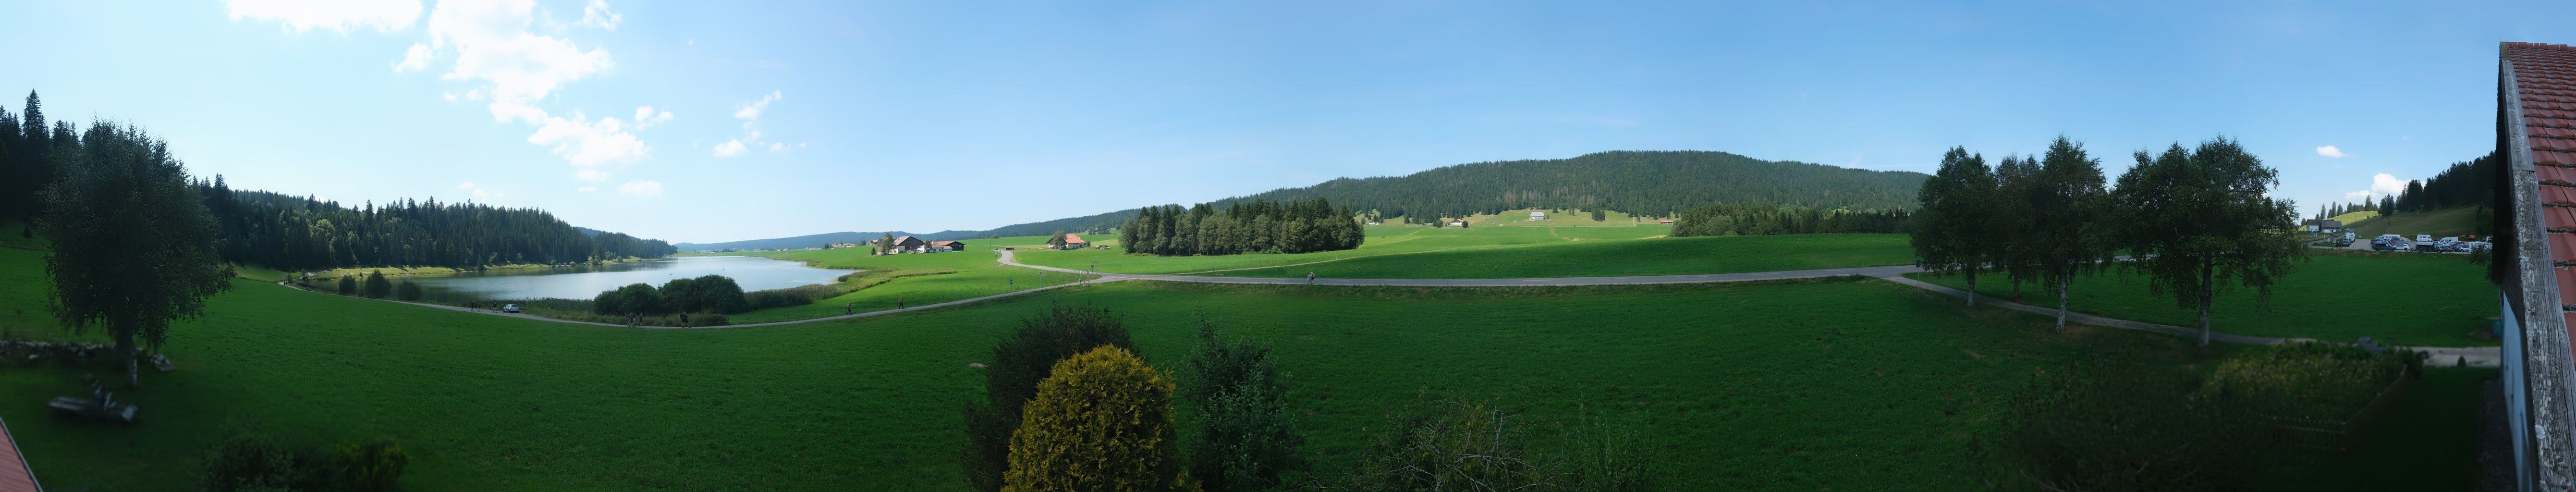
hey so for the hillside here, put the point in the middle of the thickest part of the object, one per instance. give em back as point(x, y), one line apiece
point(1644, 183)
point(814, 240)
point(2439, 223)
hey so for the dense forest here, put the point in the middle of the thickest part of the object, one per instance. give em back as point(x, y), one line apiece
point(297, 233)
point(1747, 219)
point(1649, 183)
point(1256, 226)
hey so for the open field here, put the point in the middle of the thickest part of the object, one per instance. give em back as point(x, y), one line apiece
point(2351, 218)
point(2439, 223)
point(921, 279)
point(1841, 384)
point(1493, 252)
point(2401, 298)
point(1558, 218)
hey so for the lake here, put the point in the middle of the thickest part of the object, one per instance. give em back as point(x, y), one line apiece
point(584, 282)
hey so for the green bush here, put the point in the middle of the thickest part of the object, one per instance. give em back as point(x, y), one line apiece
point(408, 291)
point(1459, 445)
point(1102, 421)
point(631, 299)
point(1019, 363)
point(2310, 380)
point(377, 286)
point(250, 461)
point(370, 467)
point(348, 285)
point(1247, 437)
point(2120, 429)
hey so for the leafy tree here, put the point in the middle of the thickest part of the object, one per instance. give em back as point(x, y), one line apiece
point(2067, 219)
point(133, 246)
point(2010, 220)
point(1599, 215)
point(2199, 223)
point(1029, 356)
point(885, 245)
point(377, 286)
point(1101, 421)
point(1247, 438)
point(713, 293)
point(1950, 232)
point(347, 285)
point(632, 299)
point(408, 291)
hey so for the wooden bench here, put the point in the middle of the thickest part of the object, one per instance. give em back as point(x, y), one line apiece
point(89, 408)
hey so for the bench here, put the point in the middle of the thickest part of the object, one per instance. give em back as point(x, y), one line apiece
point(89, 408)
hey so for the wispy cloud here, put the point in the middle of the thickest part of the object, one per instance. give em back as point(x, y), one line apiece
point(749, 113)
point(334, 15)
point(2382, 184)
point(596, 15)
point(2331, 151)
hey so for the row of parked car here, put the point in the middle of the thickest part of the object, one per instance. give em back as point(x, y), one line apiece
point(2421, 242)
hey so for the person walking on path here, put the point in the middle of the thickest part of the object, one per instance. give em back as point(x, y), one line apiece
point(684, 320)
point(1310, 277)
point(898, 302)
point(848, 308)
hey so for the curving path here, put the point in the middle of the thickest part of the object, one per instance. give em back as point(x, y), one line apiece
point(2472, 356)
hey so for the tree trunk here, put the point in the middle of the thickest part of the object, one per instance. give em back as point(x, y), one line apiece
point(2207, 287)
point(2061, 302)
point(1972, 286)
point(2016, 289)
point(124, 334)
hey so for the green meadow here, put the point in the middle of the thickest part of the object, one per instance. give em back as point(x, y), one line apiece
point(2400, 298)
point(1512, 252)
point(1817, 384)
point(912, 279)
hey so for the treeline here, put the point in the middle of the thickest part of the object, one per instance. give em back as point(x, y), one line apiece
point(1646, 183)
point(1257, 226)
point(2463, 184)
point(298, 233)
point(2196, 220)
point(1751, 219)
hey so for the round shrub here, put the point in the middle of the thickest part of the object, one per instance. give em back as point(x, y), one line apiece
point(1101, 421)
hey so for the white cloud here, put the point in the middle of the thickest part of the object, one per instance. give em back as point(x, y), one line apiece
point(2382, 184)
point(335, 15)
point(586, 189)
point(465, 186)
point(2331, 151)
point(491, 44)
point(591, 146)
point(415, 58)
point(751, 110)
point(730, 148)
point(777, 147)
point(645, 116)
point(640, 188)
point(597, 15)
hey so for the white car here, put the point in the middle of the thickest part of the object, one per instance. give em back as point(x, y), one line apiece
point(509, 308)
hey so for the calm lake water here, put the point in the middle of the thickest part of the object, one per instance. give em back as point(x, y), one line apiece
point(584, 282)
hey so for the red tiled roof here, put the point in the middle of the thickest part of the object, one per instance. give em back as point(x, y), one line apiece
point(14, 475)
point(2544, 77)
point(1069, 238)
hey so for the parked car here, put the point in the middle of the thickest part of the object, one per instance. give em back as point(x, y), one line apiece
point(509, 308)
point(2423, 238)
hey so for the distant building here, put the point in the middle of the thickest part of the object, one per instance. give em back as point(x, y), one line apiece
point(909, 244)
point(842, 245)
point(1457, 223)
point(1074, 241)
point(1664, 221)
point(2324, 226)
point(948, 245)
point(1538, 215)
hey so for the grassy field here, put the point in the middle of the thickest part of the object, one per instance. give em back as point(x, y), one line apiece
point(1829, 384)
point(2439, 223)
point(2351, 218)
point(1555, 218)
point(924, 279)
point(2401, 298)
point(1495, 252)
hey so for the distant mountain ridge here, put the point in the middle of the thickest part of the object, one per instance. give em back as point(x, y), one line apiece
point(1655, 183)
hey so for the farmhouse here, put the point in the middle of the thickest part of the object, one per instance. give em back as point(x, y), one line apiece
point(2324, 226)
point(908, 244)
point(1538, 215)
point(1074, 241)
point(842, 245)
point(948, 245)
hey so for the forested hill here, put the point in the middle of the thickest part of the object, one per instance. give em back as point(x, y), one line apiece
point(1656, 183)
point(296, 233)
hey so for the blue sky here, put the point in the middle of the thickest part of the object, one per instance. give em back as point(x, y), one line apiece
point(791, 118)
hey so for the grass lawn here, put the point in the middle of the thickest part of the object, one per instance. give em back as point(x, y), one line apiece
point(1819, 384)
point(922, 279)
point(2351, 218)
point(1559, 218)
point(2401, 298)
point(1495, 252)
point(2439, 223)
